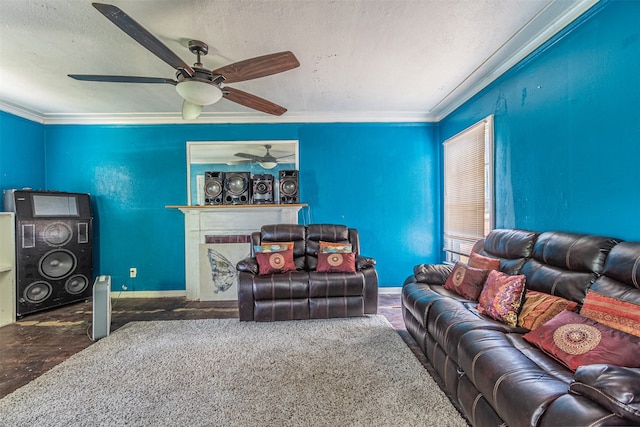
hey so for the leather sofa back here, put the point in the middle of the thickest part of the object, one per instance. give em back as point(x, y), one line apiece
point(286, 233)
point(566, 264)
point(621, 275)
point(512, 246)
point(328, 233)
point(306, 240)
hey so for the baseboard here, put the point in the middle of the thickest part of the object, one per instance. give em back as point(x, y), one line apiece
point(148, 294)
point(389, 290)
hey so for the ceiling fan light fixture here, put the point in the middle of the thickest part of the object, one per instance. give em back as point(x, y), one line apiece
point(199, 92)
point(268, 165)
point(190, 111)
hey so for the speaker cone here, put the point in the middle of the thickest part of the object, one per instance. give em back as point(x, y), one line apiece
point(57, 234)
point(76, 284)
point(237, 184)
point(213, 188)
point(57, 264)
point(289, 186)
point(37, 292)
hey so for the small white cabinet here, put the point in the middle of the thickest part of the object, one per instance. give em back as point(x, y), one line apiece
point(7, 269)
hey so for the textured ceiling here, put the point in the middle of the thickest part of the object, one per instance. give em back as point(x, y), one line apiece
point(360, 59)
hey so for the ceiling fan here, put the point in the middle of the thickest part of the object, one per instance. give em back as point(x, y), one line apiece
point(268, 161)
point(197, 85)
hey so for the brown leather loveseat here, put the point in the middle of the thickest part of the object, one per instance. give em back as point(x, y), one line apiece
point(499, 378)
point(306, 293)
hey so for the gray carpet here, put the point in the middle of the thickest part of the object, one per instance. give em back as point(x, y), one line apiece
point(339, 372)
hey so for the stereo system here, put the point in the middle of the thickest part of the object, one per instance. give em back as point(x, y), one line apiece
point(289, 187)
point(262, 189)
point(241, 188)
point(213, 188)
point(237, 188)
point(54, 255)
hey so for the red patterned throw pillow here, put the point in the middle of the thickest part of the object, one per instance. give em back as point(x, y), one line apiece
point(575, 341)
point(501, 297)
point(275, 262)
point(336, 263)
point(480, 261)
point(539, 308)
point(613, 312)
point(466, 281)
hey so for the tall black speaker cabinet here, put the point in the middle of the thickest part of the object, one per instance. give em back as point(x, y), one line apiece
point(54, 248)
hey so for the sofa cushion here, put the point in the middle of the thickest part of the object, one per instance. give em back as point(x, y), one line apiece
point(614, 387)
point(516, 387)
point(575, 341)
point(432, 274)
point(484, 262)
point(282, 286)
point(466, 281)
point(501, 297)
point(335, 284)
point(275, 262)
point(512, 246)
point(621, 276)
point(330, 233)
point(566, 264)
point(336, 262)
point(539, 308)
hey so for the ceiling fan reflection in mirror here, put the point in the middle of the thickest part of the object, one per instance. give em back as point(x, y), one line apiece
point(268, 161)
point(197, 85)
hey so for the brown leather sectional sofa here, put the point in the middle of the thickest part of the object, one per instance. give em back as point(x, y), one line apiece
point(495, 376)
point(306, 293)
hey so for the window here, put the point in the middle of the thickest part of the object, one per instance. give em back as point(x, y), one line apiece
point(468, 189)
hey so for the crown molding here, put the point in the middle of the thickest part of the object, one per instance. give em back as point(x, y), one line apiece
point(537, 32)
point(532, 36)
point(23, 112)
point(219, 118)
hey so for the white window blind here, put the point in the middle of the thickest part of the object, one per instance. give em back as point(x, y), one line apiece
point(468, 189)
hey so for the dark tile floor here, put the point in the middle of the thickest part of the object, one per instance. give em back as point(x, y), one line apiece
point(38, 342)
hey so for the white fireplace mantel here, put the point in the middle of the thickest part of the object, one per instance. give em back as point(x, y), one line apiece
point(202, 221)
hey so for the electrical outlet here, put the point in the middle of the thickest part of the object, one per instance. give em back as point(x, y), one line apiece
point(133, 272)
point(124, 287)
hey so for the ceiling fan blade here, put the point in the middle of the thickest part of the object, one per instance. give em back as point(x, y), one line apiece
point(142, 36)
point(249, 156)
point(252, 101)
point(260, 66)
point(190, 111)
point(121, 79)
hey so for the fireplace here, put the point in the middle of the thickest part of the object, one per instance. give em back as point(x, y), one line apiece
point(215, 236)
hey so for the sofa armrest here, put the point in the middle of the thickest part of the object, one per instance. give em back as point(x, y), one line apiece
point(615, 388)
point(363, 262)
point(248, 265)
point(433, 274)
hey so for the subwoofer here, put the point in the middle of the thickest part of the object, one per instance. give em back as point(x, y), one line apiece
point(289, 187)
point(237, 188)
point(213, 188)
point(262, 189)
point(54, 254)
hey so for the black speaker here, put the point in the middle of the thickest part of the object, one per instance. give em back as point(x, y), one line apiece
point(262, 189)
point(289, 188)
point(213, 188)
point(54, 248)
point(237, 188)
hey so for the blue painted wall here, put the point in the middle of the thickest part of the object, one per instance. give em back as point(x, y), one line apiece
point(380, 178)
point(21, 153)
point(567, 129)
